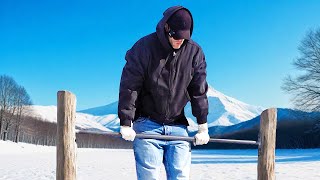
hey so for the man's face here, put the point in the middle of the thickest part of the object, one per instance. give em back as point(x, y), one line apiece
point(175, 43)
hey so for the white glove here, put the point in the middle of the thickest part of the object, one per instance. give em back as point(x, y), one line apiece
point(127, 133)
point(202, 137)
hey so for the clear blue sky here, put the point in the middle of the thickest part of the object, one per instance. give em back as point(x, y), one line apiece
point(79, 46)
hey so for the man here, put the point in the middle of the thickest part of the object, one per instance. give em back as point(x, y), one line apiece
point(164, 71)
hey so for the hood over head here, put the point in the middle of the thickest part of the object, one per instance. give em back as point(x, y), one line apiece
point(162, 35)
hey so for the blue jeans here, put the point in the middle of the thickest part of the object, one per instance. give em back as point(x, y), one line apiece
point(151, 153)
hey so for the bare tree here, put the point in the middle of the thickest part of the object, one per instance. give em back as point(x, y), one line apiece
point(10, 118)
point(306, 86)
point(7, 88)
point(23, 100)
point(13, 99)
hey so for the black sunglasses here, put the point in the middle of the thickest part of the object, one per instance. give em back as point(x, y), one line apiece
point(171, 33)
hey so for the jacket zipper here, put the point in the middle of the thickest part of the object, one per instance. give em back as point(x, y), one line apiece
point(171, 76)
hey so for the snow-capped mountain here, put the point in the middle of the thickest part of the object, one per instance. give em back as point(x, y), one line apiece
point(108, 115)
point(226, 111)
point(223, 111)
point(83, 121)
point(283, 114)
point(103, 110)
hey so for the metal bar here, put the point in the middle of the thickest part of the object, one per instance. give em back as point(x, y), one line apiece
point(179, 138)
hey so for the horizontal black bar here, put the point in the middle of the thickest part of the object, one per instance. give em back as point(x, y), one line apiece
point(170, 138)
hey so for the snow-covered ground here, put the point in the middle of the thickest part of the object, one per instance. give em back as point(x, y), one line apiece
point(29, 162)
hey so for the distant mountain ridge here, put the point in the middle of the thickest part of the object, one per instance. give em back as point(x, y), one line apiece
point(223, 110)
point(111, 108)
point(295, 129)
point(283, 114)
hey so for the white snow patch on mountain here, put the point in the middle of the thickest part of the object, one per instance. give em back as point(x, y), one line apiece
point(224, 110)
point(49, 113)
point(232, 110)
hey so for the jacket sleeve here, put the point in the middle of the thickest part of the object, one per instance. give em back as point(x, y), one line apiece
point(132, 78)
point(198, 88)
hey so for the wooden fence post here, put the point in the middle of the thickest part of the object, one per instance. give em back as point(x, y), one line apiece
point(66, 146)
point(266, 150)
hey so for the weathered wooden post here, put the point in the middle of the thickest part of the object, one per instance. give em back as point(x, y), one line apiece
point(66, 146)
point(266, 151)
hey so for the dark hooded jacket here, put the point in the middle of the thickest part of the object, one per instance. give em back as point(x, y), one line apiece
point(157, 81)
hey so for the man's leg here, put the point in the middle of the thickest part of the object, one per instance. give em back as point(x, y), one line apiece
point(177, 155)
point(148, 152)
point(148, 155)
